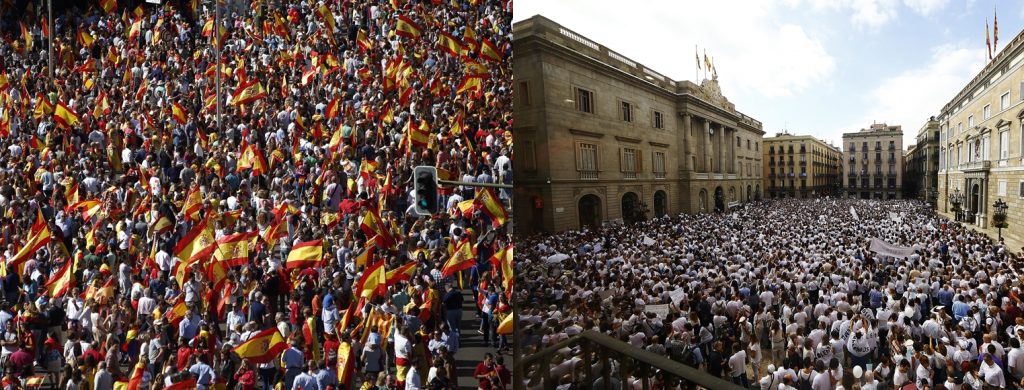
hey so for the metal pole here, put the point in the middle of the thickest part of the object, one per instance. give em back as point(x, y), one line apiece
point(216, 48)
point(468, 184)
point(49, 37)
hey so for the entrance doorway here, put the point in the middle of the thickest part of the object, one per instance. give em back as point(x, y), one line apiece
point(660, 203)
point(590, 212)
point(719, 199)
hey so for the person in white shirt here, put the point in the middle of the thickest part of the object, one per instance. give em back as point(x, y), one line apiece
point(738, 366)
point(992, 373)
point(822, 378)
point(902, 374)
point(1015, 360)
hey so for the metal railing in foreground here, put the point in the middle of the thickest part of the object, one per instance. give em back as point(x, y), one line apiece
point(591, 348)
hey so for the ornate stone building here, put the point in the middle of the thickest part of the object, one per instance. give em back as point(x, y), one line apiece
point(801, 166)
point(602, 139)
point(873, 159)
point(981, 156)
point(920, 181)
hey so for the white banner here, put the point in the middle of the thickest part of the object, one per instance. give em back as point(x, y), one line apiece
point(854, 213)
point(659, 310)
point(886, 249)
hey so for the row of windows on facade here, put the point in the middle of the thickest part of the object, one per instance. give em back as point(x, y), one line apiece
point(630, 162)
point(986, 113)
point(1001, 189)
point(803, 150)
point(878, 158)
point(978, 150)
point(585, 103)
point(878, 146)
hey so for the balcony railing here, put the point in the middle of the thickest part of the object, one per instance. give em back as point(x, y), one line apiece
point(659, 175)
point(629, 175)
point(588, 175)
point(597, 349)
point(977, 165)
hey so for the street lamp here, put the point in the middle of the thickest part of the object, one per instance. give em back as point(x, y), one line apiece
point(999, 217)
point(956, 198)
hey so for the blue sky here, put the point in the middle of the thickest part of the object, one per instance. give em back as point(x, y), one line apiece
point(819, 67)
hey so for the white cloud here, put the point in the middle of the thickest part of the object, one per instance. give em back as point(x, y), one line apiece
point(909, 98)
point(754, 50)
point(926, 7)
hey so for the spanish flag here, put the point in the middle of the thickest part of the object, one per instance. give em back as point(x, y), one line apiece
point(102, 105)
point(469, 36)
point(492, 206)
point(373, 280)
point(26, 36)
point(365, 256)
point(305, 254)
point(177, 312)
point(187, 384)
point(405, 27)
point(43, 107)
point(34, 244)
point(248, 93)
point(328, 17)
point(450, 44)
point(88, 208)
point(162, 225)
point(308, 76)
point(332, 108)
point(262, 347)
point(505, 327)
point(471, 83)
point(199, 242)
point(346, 364)
point(373, 226)
point(135, 381)
point(85, 39)
point(403, 272)
point(462, 259)
point(35, 382)
point(233, 250)
point(108, 5)
point(178, 113)
point(275, 231)
point(193, 204)
point(95, 293)
point(64, 116)
point(489, 51)
point(363, 41)
point(135, 29)
point(60, 282)
point(502, 259)
point(312, 340)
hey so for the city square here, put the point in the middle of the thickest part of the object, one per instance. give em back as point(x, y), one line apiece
point(729, 228)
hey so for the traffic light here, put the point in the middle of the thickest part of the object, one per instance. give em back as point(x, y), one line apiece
point(425, 186)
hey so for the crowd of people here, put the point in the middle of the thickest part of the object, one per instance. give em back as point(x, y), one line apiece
point(204, 198)
point(781, 294)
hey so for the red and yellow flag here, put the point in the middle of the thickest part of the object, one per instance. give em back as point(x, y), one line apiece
point(346, 364)
point(492, 206)
point(403, 272)
point(462, 259)
point(197, 243)
point(108, 5)
point(450, 44)
point(178, 113)
point(33, 245)
point(60, 282)
point(233, 250)
point(193, 204)
point(248, 93)
point(373, 281)
point(405, 27)
point(363, 41)
point(502, 260)
point(262, 347)
point(490, 52)
point(305, 254)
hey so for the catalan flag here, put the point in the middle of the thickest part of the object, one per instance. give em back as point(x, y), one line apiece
point(305, 254)
point(405, 27)
point(418, 135)
point(262, 347)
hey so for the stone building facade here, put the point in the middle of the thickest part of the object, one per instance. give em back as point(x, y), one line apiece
point(921, 176)
point(873, 162)
point(602, 139)
point(801, 166)
point(981, 138)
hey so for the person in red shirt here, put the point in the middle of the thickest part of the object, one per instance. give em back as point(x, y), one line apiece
point(503, 377)
point(184, 353)
point(246, 375)
point(485, 373)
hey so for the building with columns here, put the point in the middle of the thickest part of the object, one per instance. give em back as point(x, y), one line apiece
point(981, 141)
point(801, 166)
point(873, 162)
point(602, 139)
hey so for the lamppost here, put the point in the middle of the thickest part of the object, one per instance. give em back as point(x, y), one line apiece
point(999, 217)
point(956, 198)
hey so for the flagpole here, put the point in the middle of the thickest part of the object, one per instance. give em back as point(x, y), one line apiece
point(49, 37)
point(216, 48)
point(696, 71)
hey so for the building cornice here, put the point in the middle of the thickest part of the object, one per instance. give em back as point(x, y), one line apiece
point(585, 133)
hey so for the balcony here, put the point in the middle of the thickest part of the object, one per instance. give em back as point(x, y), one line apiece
point(659, 175)
point(977, 166)
point(629, 175)
point(790, 162)
point(588, 175)
point(803, 174)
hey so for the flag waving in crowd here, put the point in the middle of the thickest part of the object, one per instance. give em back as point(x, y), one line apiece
point(200, 203)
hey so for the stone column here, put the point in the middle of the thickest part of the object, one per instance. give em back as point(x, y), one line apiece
point(686, 145)
point(722, 151)
point(707, 146)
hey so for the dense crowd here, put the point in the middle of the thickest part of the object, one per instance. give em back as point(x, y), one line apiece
point(783, 294)
point(149, 243)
